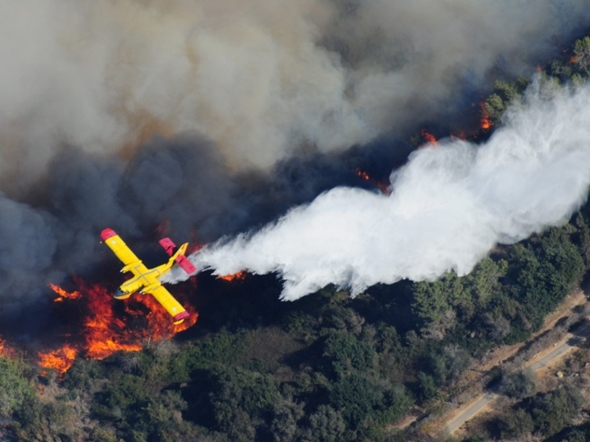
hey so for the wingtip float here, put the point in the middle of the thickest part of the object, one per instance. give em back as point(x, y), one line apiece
point(146, 280)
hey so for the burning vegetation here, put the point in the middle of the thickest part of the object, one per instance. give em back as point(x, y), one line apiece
point(383, 187)
point(486, 122)
point(107, 329)
point(428, 137)
point(5, 350)
point(240, 276)
point(59, 360)
point(62, 294)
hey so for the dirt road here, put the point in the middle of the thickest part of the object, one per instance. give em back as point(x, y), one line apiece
point(470, 411)
point(541, 360)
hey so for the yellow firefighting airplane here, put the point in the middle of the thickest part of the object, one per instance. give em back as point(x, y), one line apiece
point(148, 280)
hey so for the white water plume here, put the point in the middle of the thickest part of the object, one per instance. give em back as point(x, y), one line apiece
point(449, 206)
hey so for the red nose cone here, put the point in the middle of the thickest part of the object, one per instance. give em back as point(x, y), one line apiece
point(107, 233)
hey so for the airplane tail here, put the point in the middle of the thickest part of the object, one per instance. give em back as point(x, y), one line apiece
point(179, 257)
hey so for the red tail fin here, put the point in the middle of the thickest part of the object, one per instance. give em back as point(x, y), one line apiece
point(168, 245)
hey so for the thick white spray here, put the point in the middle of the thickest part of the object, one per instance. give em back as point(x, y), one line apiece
point(449, 206)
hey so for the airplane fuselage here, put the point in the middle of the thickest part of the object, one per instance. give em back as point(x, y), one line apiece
point(143, 277)
point(146, 280)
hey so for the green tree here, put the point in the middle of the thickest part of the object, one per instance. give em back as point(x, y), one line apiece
point(38, 421)
point(436, 304)
point(347, 354)
point(448, 365)
point(494, 107)
point(433, 299)
point(484, 280)
point(583, 238)
point(15, 389)
point(356, 397)
point(284, 425)
point(553, 411)
point(504, 95)
point(343, 319)
point(543, 272)
point(396, 403)
point(326, 425)
point(576, 436)
point(581, 58)
point(241, 399)
point(515, 424)
point(519, 384)
point(426, 386)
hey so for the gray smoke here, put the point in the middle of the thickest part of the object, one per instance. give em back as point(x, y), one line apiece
point(449, 206)
point(262, 79)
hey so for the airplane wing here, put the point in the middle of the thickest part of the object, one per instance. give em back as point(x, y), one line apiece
point(123, 252)
point(169, 302)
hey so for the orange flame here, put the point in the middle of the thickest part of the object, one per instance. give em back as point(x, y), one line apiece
point(384, 188)
point(428, 137)
point(573, 59)
point(59, 360)
point(240, 276)
point(102, 330)
point(5, 351)
point(485, 123)
point(160, 326)
point(106, 332)
point(62, 294)
point(364, 175)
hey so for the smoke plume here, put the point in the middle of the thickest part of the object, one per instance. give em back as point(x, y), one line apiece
point(449, 206)
point(260, 78)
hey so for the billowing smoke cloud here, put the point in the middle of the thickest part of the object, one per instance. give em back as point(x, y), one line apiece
point(449, 206)
point(262, 79)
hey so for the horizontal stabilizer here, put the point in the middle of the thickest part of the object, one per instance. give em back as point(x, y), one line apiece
point(186, 265)
point(181, 260)
point(168, 245)
point(180, 317)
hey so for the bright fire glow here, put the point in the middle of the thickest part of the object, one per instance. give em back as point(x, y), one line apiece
point(5, 350)
point(428, 137)
point(106, 332)
point(103, 331)
point(62, 294)
point(383, 187)
point(364, 175)
point(235, 277)
point(485, 123)
point(59, 360)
